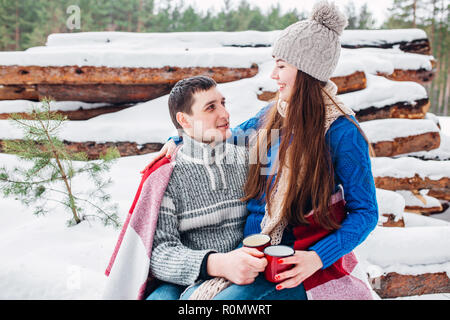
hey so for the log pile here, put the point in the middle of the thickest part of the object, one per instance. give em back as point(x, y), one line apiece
point(103, 84)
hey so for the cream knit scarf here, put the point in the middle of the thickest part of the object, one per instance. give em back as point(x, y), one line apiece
point(275, 224)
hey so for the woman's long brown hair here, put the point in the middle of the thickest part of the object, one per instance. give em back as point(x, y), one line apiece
point(303, 131)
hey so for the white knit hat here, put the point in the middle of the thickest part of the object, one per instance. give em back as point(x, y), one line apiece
point(313, 45)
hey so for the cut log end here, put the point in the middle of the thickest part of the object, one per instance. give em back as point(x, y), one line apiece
point(423, 142)
point(394, 285)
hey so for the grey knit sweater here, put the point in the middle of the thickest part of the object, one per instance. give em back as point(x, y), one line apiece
point(200, 211)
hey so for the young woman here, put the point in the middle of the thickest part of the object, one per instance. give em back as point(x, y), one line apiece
point(321, 149)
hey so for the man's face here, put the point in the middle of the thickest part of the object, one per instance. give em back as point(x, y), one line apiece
point(209, 121)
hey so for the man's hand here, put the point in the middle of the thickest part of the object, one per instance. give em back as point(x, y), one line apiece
point(166, 151)
point(240, 266)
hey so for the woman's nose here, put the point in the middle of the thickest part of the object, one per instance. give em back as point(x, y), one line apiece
point(274, 74)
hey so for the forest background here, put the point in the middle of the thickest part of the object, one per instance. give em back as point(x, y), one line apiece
point(27, 23)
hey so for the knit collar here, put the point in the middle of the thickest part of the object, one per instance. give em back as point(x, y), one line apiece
point(200, 152)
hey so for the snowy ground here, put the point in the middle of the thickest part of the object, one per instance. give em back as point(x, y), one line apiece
point(43, 259)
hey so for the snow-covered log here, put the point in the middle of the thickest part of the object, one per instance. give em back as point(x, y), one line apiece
point(390, 137)
point(407, 261)
point(407, 173)
point(442, 153)
point(74, 110)
point(391, 207)
point(383, 98)
point(83, 75)
point(419, 202)
point(408, 40)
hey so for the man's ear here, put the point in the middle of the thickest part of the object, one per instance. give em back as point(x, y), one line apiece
point(183, 120)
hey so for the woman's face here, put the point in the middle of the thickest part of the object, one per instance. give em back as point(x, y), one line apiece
point(284, 74)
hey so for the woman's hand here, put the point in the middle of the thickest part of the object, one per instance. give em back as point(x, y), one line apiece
point(306, 263)
point(166, 151)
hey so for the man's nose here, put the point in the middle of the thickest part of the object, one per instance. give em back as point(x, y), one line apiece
point(224, 113)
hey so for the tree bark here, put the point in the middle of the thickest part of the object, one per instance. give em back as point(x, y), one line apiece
point(17, 37)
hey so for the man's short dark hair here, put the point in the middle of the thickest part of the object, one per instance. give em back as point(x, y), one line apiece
point(181, 96)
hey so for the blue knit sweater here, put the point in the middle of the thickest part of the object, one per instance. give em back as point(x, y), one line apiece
point(352, 169)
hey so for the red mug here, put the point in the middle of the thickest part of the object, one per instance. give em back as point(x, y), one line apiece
point(258, 241)
point(273, 254)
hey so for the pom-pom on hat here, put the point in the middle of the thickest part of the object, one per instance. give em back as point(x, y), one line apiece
point(313, 45)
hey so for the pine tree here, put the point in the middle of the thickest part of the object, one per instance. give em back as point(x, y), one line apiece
point(365, 18)
point(403, 14)
point(7, 27)
point(350, 11)
point(50, 176)
point(190, 20)
point(18, 20)
point(52, 18)
point(359, 19)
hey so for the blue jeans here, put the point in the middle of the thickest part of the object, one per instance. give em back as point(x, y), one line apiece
point(167, 291)
point(260, 289)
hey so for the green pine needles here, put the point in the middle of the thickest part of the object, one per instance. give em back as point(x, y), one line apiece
point(54, 177)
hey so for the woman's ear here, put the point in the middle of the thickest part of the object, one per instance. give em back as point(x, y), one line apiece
point(183, 120)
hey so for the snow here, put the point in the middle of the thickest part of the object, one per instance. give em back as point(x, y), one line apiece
point(407, 167)
point(149, 58)
point(347, 66)
point(381, 92)
point(377, 60)
point(413, 220)
point(389, 129)
point(408, 250)
point(11, 106)
point(139, 41)
point(362, 37)
point(218, 39)
point(389, 202)
point(43, 259)
point(413, 201)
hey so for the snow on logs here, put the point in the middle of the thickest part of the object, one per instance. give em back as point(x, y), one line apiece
point(383, 98)
point(391, 137)
point(408, 173)
point(407, 261)
point(133, 67)
point(420, 202)
point(74, 110)
point(407, 40)
point(118, 76)
point(391, 207)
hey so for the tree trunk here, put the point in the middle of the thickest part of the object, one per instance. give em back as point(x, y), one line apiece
point(17, 38)
point(139, 16)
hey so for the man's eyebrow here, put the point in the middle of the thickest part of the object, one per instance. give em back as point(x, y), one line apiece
point(278, 60)
point(212, 101)
point(209, 102)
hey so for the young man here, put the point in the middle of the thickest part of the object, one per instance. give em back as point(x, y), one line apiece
point(201, 217)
